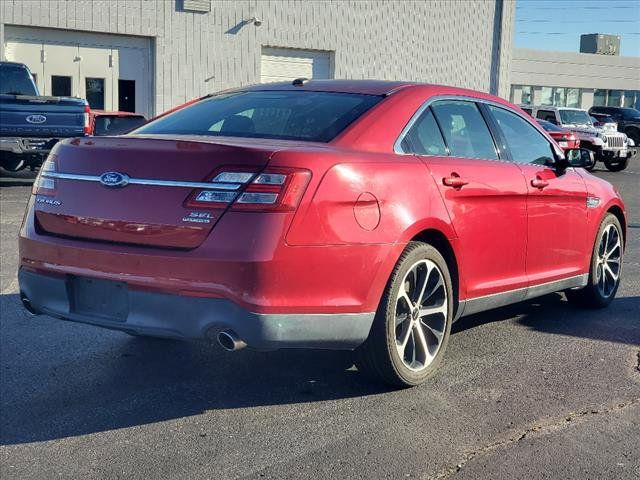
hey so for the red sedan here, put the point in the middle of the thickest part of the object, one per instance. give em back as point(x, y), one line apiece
point(565, 138)
point(362, 215)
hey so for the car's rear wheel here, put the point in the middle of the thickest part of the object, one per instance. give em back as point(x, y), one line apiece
point(616, 165)
point(412, 325)
point(606, 267)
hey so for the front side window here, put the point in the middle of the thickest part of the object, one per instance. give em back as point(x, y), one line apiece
point(525, 142)
point(285, 115)
point(424, 137)
point(464, 129)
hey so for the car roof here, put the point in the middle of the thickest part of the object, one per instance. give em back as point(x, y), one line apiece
point(366, 87)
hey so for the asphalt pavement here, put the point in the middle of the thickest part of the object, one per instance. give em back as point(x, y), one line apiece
point(535, 390)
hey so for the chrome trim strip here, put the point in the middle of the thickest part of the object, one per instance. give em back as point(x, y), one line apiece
point(495, 300)
point(147, 181)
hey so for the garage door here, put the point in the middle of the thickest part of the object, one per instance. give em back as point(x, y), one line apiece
point(111, 72)
point(286, 64)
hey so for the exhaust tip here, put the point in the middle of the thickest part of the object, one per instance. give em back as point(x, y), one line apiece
point(229, 340)
point(26, 303)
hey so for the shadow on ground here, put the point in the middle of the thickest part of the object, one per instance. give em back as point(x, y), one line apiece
point(63, 380)
point(620, 322)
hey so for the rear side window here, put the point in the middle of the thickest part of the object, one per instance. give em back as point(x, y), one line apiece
point(15, 80)
point(287, 115)
point(547, 115)
point(424, 137)
point(525, 142)
point(464, 129)
point(115, 125)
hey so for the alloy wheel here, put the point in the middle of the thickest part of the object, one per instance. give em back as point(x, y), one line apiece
point(420, 315)
point(609, 261)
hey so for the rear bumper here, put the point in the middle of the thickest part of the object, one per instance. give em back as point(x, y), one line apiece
point(27, 146)
point(191, 318)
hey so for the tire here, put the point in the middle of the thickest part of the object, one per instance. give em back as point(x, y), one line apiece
point(600, 291)
point(616, 166)
point(12, 162)
point(425, 334)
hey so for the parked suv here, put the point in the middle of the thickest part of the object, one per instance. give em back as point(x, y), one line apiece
point(334, 214)
point(612, 148)
point(628, 120)
point(31, 124)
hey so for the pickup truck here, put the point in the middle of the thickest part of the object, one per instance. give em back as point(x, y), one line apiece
point(608, 146)
point(31, 124)
point(628, 120)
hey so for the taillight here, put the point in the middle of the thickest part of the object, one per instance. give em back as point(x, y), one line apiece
point(87, 126)
point(44, 185)
point(278, 189)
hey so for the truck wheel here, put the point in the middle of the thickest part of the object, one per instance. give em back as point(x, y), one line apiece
point(616, 165)
point(606, 266)
point(412, 325)
point(12, 162)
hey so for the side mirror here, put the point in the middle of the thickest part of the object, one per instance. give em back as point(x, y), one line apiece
point(579, 158)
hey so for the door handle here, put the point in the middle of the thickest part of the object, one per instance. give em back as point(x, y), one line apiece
point(539, 183)
point(454, 181)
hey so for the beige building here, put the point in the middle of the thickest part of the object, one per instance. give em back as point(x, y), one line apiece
point(150, 55)
point(574, 79)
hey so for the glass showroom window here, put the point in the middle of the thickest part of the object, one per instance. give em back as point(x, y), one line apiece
point(559, 97)
point(527, 95)
point(632, 99)
point(546, 96)
point(599, 98)
point(574, 98)
point(614, 98)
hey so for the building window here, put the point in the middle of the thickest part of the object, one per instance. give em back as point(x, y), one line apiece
point(632, 99)
point(526, 98)
point(574, 97)
point(546, 96)
point(599, 98)
point(559, 97)
point(614, 99)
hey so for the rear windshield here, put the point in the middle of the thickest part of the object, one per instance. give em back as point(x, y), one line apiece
point(15, 80)
point(287, 115)
point(114, 125)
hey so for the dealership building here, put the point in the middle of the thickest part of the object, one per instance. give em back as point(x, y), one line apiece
point(150, 55)
point(569, 79)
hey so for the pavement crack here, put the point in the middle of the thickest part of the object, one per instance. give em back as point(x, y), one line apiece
point(538, 428)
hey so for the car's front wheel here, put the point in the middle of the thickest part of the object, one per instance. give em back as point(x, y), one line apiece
point(606, 267)
point(412, 325)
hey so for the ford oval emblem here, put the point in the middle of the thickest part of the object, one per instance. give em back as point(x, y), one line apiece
point(114, 179)
point(36, 119)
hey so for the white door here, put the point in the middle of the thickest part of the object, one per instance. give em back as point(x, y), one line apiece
point(99, 77)
point(286, 64)
point(61, 70)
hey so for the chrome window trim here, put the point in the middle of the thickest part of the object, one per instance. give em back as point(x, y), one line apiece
point(397, 147)
point(147, 181)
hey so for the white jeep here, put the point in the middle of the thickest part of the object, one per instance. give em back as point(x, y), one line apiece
point(608, 146)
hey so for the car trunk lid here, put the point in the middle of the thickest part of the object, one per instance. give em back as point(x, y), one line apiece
point(135, 190)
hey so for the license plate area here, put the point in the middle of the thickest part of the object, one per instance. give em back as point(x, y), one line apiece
point(99, 298)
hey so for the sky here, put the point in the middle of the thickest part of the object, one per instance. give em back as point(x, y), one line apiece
point(557, 24)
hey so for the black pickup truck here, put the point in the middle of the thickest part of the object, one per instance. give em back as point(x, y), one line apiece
point(31, 124)
point(628, 120)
